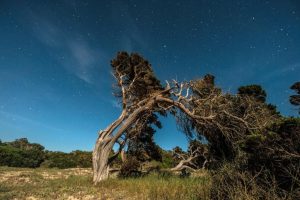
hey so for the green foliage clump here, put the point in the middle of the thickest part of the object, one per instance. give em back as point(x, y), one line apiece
point(68, 160)
point(21, 153)
point(133, 67)
point(58, 160)
point(82, 158)
point(255, 91)
point(167, 159)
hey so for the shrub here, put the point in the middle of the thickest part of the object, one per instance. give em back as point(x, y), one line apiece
point(130, 168)
point(68, 160)
point(167, 159)
point(275, 153)
point(267, 165)
point(59, 160)
point(229, 183)
point(82, 158)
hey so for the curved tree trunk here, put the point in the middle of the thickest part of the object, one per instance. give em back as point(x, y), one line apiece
point(107, 139)
point(101, 153)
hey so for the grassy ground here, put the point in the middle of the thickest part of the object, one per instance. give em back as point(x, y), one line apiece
point(19, 183)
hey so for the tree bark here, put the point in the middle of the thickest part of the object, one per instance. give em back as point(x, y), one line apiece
point(101, 153)
point(183, 164)
point(107, 139)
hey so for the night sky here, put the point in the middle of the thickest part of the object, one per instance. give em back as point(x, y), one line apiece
point(55, 75)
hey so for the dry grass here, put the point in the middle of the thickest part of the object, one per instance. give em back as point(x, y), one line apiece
point(231, 184)
point(18, 183)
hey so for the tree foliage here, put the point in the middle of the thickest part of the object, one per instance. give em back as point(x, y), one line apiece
point(21, 153)
point(135, 78)
point(141, 143)
point(275, 153)
point(226, 119)
point(256, 91)
point(63, 160)
point(167, 159)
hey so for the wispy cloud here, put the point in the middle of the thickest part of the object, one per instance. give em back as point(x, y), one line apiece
point(82, 53)
point(83, 60)
point(46, 32)
point(293, 68)
point(132, 33)
point(17, 120)
point(75, 55)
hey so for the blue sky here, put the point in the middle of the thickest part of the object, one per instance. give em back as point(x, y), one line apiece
point(55, 59)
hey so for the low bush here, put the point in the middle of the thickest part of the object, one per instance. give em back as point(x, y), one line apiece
point(130, 168)
point(68, 160)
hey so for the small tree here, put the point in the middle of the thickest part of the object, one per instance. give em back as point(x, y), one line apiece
point(130, 168)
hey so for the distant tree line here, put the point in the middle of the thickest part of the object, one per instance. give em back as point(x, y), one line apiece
point(22, 153)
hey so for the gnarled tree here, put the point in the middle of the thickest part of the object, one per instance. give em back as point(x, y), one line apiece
point(203, 107)
point(137, 87)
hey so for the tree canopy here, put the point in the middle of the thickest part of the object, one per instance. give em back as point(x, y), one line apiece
point(255, 91)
